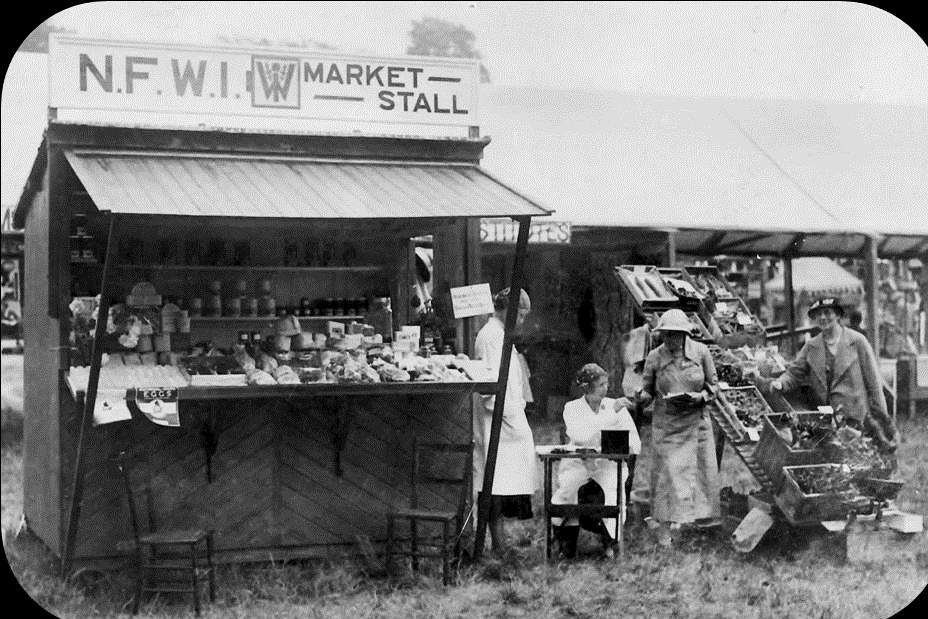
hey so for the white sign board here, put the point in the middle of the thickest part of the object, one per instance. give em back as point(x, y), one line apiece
point(507, 231)
point(154, 84)
point(474, 300)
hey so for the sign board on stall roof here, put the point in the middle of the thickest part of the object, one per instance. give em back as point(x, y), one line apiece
point(507, 231)
point(289, 89)
point(474, 300)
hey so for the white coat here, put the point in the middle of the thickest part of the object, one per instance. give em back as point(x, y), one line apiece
point(515, 460)
point(583, 426)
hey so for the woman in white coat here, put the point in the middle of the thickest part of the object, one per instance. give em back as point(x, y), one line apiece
point(514, 476)
point(594, 481)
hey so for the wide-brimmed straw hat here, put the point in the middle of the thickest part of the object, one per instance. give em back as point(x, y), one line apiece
point(674, 320)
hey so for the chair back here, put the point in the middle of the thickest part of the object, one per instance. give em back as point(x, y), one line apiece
point(442, 464)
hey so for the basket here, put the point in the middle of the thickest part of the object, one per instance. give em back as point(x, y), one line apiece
point(773, 453)
point(800, 507)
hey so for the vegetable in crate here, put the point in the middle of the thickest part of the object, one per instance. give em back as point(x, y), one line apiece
point(748, 406)
point(822, 479)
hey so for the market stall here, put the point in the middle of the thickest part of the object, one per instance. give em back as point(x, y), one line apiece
point(258, 360)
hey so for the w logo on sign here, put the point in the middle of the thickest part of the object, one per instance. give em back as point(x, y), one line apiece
point(275, 82)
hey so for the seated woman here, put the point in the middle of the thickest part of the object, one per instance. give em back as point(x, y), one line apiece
point(591, 481)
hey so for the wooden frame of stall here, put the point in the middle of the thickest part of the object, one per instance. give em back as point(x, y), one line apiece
point(277, 471)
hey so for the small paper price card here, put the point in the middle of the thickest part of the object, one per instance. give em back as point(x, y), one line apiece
point(474, 300)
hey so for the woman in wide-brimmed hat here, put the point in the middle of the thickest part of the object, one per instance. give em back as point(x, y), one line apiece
point(840, 367)
point(680, 377)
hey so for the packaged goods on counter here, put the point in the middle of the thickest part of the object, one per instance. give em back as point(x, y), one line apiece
point(120, 376)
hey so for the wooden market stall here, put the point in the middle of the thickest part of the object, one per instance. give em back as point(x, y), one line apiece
point(240, 231)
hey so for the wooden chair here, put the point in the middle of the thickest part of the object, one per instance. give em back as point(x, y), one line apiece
point(447, 546)
point(167, 561)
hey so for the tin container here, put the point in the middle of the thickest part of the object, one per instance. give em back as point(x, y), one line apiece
point(232, 307)
point(250, 306)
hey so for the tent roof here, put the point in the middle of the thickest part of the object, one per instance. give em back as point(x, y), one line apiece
point(818, 276)
point(721, 171)
point(24, 112)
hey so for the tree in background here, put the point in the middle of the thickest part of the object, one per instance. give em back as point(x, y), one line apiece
point(37, 41)
point(431, 36)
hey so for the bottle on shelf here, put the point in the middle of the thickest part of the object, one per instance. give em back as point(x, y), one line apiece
point(214, 300)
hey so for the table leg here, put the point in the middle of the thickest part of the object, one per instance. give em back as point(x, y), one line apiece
point(620, 499)
point(547, 502)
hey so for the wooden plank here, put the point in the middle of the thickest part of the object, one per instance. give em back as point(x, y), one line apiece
point(344, 511)
point(343, 490)
point(299, 527)
point(41, 457)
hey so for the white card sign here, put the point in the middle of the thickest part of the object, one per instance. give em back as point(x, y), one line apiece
point(474, 300)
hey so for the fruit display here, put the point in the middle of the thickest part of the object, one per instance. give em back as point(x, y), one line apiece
point(748, 406)
point(682, 288)
point(860, 454)
point(733, 316)
point(805, 430)
point(728, 367)
point(708, 282)
point(646, 285)
point(822, 479)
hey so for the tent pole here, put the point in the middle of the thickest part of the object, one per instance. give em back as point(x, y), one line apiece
point(790, 302)
point(671, 247)
point(90, 398)
point(515, 288)
point(870, 290)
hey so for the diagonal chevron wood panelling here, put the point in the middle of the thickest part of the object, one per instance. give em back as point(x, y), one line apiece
point(275, 480)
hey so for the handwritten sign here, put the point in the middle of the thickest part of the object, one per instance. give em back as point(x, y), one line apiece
point(474, 300)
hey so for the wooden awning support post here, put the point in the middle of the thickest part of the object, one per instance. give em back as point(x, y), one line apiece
point(671, 247)
point(790, 302)
point(871, 287)
point(90, 398)
point(515, 289)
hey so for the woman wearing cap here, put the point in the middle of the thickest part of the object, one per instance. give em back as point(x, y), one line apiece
point(839, 366)
point(514, 475)
point(680, 377)
point(593, 480)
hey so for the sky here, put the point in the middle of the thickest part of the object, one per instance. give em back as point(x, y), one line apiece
point(822, 51)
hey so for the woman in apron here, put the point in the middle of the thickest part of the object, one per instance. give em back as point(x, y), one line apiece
point(514, 476)
point(680, 377)
point(592, 481)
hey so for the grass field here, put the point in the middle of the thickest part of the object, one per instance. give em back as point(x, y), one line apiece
point(792, 573)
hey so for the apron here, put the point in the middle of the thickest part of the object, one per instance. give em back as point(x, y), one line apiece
point(515, 459)
point(684, 473)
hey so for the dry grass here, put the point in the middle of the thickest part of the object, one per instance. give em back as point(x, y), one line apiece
point(792, 574)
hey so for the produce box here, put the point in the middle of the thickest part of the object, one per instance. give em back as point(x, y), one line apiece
point(733, 316)
point(700, 331)
point(773, 452)
point(678, 282)
point(647, 287)
point(747, 406)
point(709, 282)
point(817, 492)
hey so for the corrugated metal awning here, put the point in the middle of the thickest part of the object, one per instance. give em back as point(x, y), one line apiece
point(227, 185)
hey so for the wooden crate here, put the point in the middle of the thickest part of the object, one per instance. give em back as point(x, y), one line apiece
point(724, 395)
point(773, 453)
point(800, 507)
point(647, 287)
